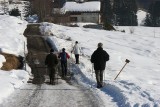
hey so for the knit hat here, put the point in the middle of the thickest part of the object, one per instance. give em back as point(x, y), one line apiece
point(52, 50)
point(63, 49)
point(100, 44)
point(76, 42)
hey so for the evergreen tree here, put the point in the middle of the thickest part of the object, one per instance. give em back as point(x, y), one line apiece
point(107, 12)
point(27, 9)
point(15, 12)
point(153, 15)
point(125, 12)
point(148, 20)
point(116, 6)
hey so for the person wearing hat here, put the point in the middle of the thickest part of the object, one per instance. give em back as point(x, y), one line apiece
point(99, 58)
point(76, 51)
point(51, 61)
point(64, 56)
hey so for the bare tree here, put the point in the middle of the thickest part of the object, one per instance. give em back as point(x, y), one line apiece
point(42, 8)
point(4, 5)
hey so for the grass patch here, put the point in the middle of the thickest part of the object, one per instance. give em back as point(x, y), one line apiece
point(12, 62)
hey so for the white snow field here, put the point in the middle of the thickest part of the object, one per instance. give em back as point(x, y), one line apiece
point(137, 85)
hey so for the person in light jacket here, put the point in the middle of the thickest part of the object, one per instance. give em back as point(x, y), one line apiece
point(76, 51)
point(99, 58)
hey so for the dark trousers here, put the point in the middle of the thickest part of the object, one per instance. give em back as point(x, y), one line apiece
point(64, 68)
point(52, 71)
point(99, 77)
point(77, 58)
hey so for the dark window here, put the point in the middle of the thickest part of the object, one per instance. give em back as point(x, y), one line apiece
point(73, 18)
point(76, 13)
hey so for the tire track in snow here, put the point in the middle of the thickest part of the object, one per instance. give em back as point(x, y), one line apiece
point(34, 96)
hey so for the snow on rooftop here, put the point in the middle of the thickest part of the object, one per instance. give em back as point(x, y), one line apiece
point(86, 6)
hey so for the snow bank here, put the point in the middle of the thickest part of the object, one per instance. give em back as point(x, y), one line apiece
point(11, 80)
point(53, 43)
point(2, 59)
point(11, 35)
point(141, 15)
point(138, 84)
point(12, 42)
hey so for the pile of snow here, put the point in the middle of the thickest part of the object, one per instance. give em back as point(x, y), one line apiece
point(138, 84)
point(9, 81)
point(32, 19)
point(141, 15)
point(12, 42)
point(11, 35)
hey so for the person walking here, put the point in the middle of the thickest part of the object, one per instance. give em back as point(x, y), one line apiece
point(64, 56)
point(51, 61)
point(76, 51)
point(99, 58)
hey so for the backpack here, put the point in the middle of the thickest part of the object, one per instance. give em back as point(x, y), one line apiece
point(63, 56)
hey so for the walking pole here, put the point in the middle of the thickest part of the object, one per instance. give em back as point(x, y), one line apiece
point(92, 75)
point(57, 75)
point(127, 61)
point(103, 77)
point(71, 58)
point(70, 69)
point(24, 56)
point(71, 50)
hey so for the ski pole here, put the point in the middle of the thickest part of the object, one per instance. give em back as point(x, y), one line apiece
point(127, 61)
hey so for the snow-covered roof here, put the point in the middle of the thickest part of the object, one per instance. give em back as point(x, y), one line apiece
point(3, 0)
point(82, 7)
point(15, 0)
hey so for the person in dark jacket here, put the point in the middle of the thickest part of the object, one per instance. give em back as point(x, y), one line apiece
point(51, 61)
point(64, 56)
point(99, 58)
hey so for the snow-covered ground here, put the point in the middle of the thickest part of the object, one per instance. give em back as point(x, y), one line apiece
point(138, 84)
point(21, 8)
point(12, 42)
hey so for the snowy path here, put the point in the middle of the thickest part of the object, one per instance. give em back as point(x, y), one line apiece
point(60, 95)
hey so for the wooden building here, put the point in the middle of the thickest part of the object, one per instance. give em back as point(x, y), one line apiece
point(83, 12)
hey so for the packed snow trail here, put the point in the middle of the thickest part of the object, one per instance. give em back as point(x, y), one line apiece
point(60, 95)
